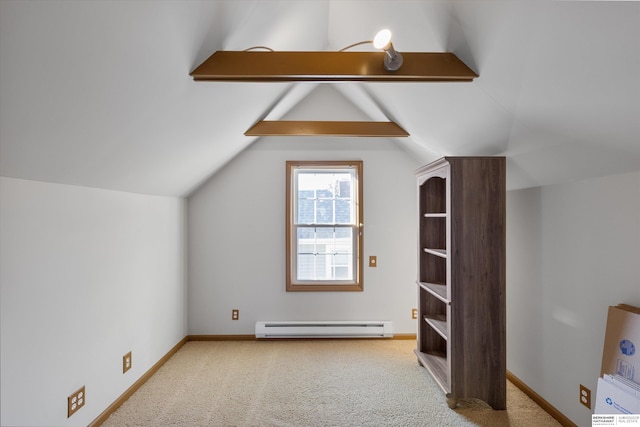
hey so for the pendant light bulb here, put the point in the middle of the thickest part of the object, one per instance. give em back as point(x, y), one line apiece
point(382, 39)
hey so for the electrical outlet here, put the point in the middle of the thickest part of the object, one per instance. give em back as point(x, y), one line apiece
point(585, 396)
point(235, 314)
point(75, 401)
point(373, 261)
point(126, 362)
point(414, 313)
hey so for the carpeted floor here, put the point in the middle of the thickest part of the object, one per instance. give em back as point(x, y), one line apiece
point(308, 383)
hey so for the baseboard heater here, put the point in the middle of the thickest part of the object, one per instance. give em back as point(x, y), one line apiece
point(324, 329)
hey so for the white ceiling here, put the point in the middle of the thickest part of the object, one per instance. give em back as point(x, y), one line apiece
point(97, 93)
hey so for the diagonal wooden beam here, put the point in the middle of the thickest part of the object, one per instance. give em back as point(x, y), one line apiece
point(325, 128)
point(259, 66)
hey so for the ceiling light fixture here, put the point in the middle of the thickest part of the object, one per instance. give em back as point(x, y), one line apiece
point(392, 59)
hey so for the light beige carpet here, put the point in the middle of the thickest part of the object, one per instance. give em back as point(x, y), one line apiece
point(307, 383)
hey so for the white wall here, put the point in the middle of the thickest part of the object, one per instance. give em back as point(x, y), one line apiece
point(572, 251)
point(236, 237)
point(86, 275)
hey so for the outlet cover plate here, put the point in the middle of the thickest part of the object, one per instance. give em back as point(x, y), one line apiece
point(585, 396)
point(75, 401)
point(126, 362)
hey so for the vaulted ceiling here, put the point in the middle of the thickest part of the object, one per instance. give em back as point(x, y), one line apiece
point(98, 93)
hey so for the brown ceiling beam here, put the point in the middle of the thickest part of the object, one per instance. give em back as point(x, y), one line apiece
point(325, 128)
point(260, 66)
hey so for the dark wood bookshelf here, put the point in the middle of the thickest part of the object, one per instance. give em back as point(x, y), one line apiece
point(461, 277)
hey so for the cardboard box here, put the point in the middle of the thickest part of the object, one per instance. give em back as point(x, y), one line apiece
point(621, 351)
point(615, 396)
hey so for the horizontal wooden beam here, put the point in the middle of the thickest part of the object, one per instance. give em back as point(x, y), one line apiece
point(325, 128)
point(260, 66)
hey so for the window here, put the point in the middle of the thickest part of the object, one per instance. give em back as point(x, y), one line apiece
point(324, 220)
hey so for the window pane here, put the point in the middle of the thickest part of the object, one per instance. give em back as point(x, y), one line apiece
point(324, 253)
point(324, 211)
point(306, 207)
point(343, 273)
point(344, 233)
point(324, 197)
point(325, 234)
point(344, 213)
point(306, 267)
point(304, 234)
